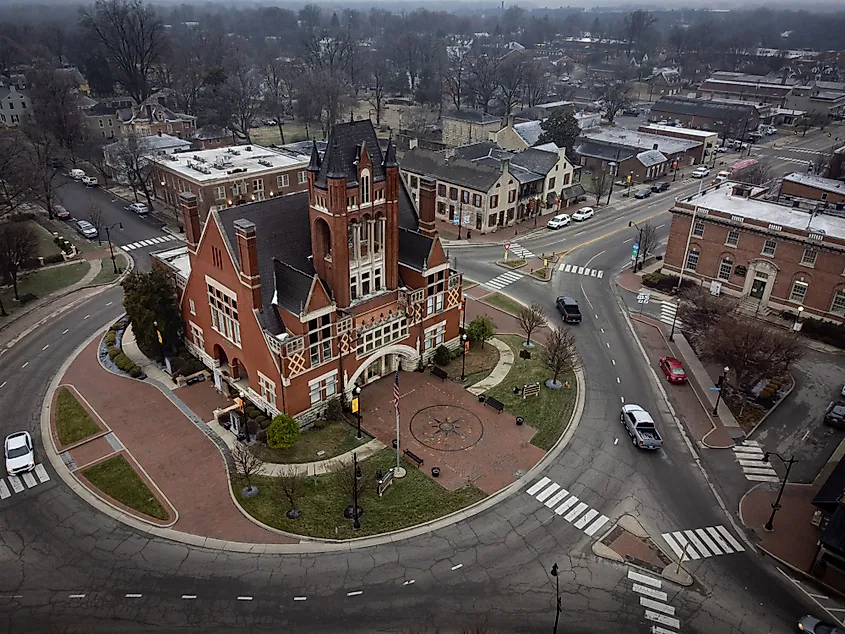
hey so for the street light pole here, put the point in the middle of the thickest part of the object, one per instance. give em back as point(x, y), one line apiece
point(558, 608)
point(631, 223)
point(464, 339)
point(111, 248)
point(460, 216)
point(722, 380)
point(357, 475)
point(674, 319)
point(356, 391)
point(776, 506)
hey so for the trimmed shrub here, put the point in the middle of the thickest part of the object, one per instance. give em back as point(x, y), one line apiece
point(283, 432)
point(123, 362)
point(111, 338)
point(178, 366)
point(264, 424)
point(135, 371)
point(260, 418)
point(663, 282)
point(824, 331)
point(53, 258)
point(113, 352)
point(252, 411)
point(442, 356)
point(334, 409)
point(261, 436)
point(195, 366)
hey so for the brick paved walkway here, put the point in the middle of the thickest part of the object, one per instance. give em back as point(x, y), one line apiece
point(178, 457)
point(447, 427)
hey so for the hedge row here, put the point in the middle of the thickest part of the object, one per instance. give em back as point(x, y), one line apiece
point(123, 362)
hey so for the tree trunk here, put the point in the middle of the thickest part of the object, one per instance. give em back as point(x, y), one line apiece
point(14, 274)
point(282, 131)
point(3, 312)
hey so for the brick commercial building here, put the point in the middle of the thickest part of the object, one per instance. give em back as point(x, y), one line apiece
point(751, 91)
point(704, 114)
point(708, 139)
point(468, 126)
point(296, 299)
point(772, 256)
point(810, 187)
point(224, 177)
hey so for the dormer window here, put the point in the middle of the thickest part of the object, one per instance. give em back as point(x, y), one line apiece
point(365, 187)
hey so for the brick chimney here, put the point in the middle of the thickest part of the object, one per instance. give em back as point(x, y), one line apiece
point(190, 219)
point(427, 206)
point(248, 257)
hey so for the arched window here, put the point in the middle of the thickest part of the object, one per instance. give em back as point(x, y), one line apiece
point(323, 242)
point(352, 229)
point(366, 229)
point(378, 238)
point(365, 187)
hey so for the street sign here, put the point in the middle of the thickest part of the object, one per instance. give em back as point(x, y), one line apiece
point(385, 482)
point(714, 388)
point(643, 298)
point(466, 220)
point(507, 246)
point(456, 221)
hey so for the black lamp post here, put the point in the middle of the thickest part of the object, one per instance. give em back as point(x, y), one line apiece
point(111, 248)
point(721, 385)
point(464, 340)
point(460, 217)
point(776, 506)
point(558, 608)
point(356, 524)
point(674, 319)
point(631, 223)
point(356, 391)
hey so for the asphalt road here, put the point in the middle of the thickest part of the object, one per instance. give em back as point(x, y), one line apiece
point(68, 568)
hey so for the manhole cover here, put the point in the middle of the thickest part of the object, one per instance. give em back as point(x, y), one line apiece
point(446, 427)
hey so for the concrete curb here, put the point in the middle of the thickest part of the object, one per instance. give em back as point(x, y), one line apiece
point(778, 404)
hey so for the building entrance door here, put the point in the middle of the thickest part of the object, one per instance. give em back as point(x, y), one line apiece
point(758, 287)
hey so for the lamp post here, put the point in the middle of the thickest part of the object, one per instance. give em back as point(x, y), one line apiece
point(612, 169)
point(776, 506)
point(558, 609)
point(460, 217)
point(464, 341)
point(356, 524)
point(797, 325)
point(722, 380)
point(674, 319)
point(111, 248)
point(356, 392)
point(631, 223)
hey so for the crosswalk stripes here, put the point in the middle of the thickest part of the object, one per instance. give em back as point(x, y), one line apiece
point(568, 506)
point(668, 312)
point(789, 159)
point(805, 150)
point(580, 270)
point(749, 455)
point(654, 601)
point(140, 244)
point(30, 479)
point(519, 251)
point(500, 281)
point(701, 543)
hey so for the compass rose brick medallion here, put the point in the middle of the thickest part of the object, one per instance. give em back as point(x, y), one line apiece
point(446, 427)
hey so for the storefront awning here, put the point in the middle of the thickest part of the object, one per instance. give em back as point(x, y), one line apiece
point(573, 191)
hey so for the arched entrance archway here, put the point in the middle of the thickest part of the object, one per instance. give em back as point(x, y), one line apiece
point(384, 362)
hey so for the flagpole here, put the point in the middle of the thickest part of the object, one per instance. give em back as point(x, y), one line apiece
point(399, 472)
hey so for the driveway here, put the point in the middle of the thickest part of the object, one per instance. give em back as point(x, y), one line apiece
point(795, 427)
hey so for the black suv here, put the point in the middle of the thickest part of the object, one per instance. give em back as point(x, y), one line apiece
point(569, 310)
point(835, 414)
point(662, 186)
point(642, 193)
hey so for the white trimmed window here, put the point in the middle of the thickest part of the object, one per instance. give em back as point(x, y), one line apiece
point(365, 187)
point(192, 307)
point(692, 260)
point(799, 292)
point(769, 248)
point(733, 238)
point(376, 338)
point(258, 189)
point(698, 229)
point(726, 267)
point(435, 336)
point(267, 389)
point(837, 307)
point(283, 180)
point(301, 177)
point(224, 313)
point(220, 192)
point(435, 292)
point(809, 257)
point(323, 389)
point(197, 337)
point(320, 340)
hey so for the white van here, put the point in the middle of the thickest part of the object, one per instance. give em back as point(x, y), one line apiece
point(76, 174)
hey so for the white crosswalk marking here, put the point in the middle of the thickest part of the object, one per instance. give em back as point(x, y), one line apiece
point(667, 537)
point(593, 528)
point(702, 542)
point(29, 480)
point(500, 281)
point(547, 492)
point(566, 505)
point(633, 575)
point(651, 592)
point(575, 512)
point(537, 486)
point(654, 605)
point(569, 506)
point(656, 629)
point(586, 519)
point(655, 602)
point(147, 242)
point(711, 545)
point(789, 159)
point(662, 619)
point(521, 252)
point(750, 455)
point(4, 490)
point(15, 481)
point(668, 314)
point(687, 549)
point(580, 270)
point(730, 538)
point(41, 472)
point(556, 498)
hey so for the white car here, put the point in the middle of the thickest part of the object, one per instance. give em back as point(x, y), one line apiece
point(700, 172)
point(87, 229)
point(138, 208)
point(19, 454)
point(843, 390)
point(584, 213)
point(561, 220)
point(90, 181)
point(76, 174)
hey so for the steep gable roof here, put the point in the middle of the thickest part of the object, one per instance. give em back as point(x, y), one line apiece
point(414, 249)
point(343, 148)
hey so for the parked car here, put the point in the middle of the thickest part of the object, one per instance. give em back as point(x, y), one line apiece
point(812, 625)
point(834, 415)
point(701, 172)
point(721, 149)
point(640, 427)
point(19, 454)
point(660, 186)
point(90, 181)
point(569, 310)
point(76, 174)
point(754, 136)
point(585, 213)
point(561, 220)
point(138, 208)
point(630, 112)
point(642, 193)
point(719, 180)
point(673, 369)
point(86, 229)
point(60, 212)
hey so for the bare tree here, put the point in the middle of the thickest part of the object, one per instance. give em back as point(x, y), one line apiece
point(561, 354)
point(535, 84)
point(95, 215)
point(700, 310)
point(290, 484)
point(133, 37)
point(510, 77)
point(378, 80)
point(600, 183)
point(42, 163)
point(16, 183)
point(55, 107)
point(647, 239)
point(751, 348)
point(756, 174)
point(483, 71)
point(636, 24)
point(821, 163)
point(616, 98)
point(679, 39)
point(130, 157)
point(18, 243)
point(276, 91)
point(530, 318)
point(247, 464)
point(456, 76)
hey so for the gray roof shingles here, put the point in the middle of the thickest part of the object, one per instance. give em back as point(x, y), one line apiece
point(343, 148)
point(458, 171)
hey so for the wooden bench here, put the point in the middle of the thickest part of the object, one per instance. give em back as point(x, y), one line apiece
point(440, 373)
point(495, 403)
point(410, 455)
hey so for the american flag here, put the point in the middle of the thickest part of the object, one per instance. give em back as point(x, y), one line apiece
point(396, 391)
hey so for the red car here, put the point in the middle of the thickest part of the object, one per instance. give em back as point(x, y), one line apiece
point(673, 370)
point(60, 212)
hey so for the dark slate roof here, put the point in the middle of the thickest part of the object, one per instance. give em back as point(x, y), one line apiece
point(282, 231)
point(414, 248)
point(458, 171)
point(833, 537)
point(831, 493)
point(477, 150)
point(701, 107)
point(344, 147)
point(536, 160)
point(408, 216)
point(471, 115)
point(101, 109)
point(290, 287)
point(651, 157)
point(604, 152)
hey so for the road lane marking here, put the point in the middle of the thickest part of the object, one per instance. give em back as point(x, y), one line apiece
point(556, 498)
point(675, 548)
point(586, 519)
point(593, 258)
point(538, 485)
point(4, 490)
point(541, 497)
point(300, 598)
point(724, 531)
point(15, 481)
point(76, 596)
point(457, 566)
point(45, 347)
point(409, 582)
point(110, 303)
point(613, 361)
point(651, 592)
point(633, 575)
point(65, 331)
point(29, 480)
point(24, 365)
point(86, 317)
point(654, 605)
point(355, 593)
point(133, 596)
point(3, 384)
point(702, 534)
point(618, 380)
point(189, 596)
point(663, 619)
point(563, 507)
point(575, 512)
point(686, 546)
point(244, 598)
point(593, 528)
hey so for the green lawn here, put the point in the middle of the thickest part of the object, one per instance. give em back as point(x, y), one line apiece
point(294, 131)
point(336, 438)
point(513, 264)
point(412, 500)
point(116, 478)
point(72, 421)
point(504, 302)
point(42, 282)
point(46, 246)
point(107, 274)
point(549, 412)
